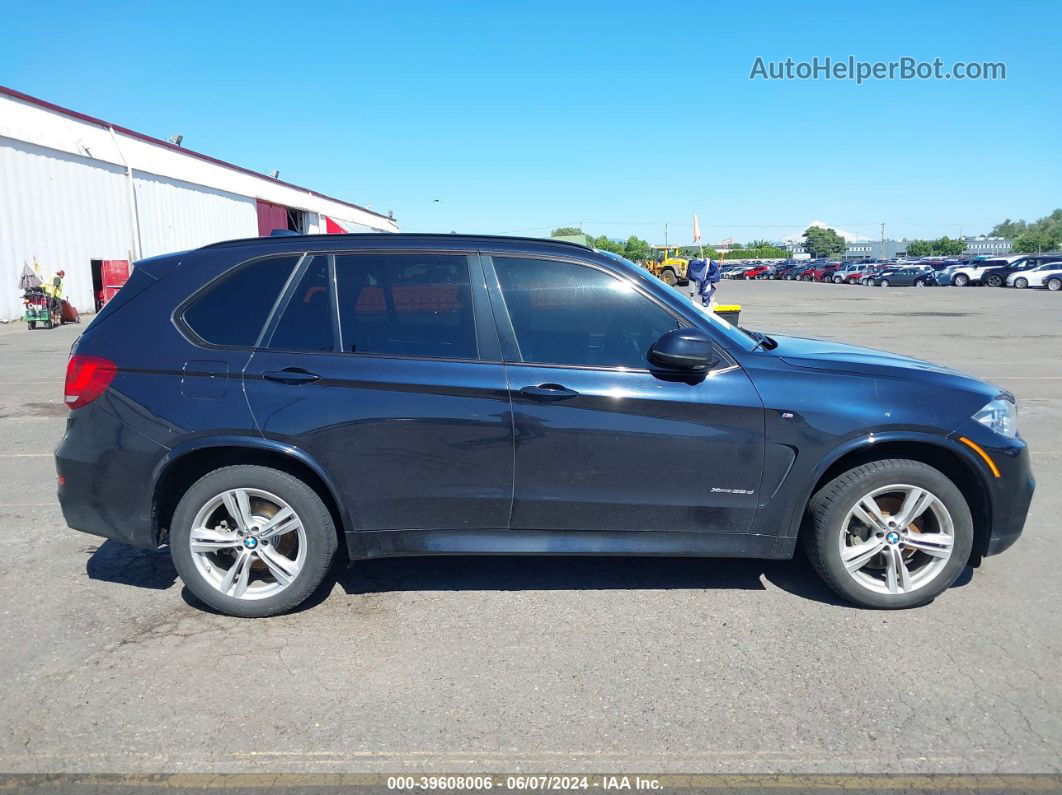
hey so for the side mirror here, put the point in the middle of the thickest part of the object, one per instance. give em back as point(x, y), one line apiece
point(684, 349)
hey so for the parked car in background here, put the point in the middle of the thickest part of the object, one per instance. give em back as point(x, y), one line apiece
point(784, 267)
point(851, 274)
point(822, 273)
point(754, 272)
point(905, 277)
point(969, 274)
point(460, 394)
point(867, 277)
point(1040, 276)
point(999, 276)
point(943, 274)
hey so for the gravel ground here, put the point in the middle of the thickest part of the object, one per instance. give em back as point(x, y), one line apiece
point(532, 664)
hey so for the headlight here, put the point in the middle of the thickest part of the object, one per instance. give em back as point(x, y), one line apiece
point(1001, 416)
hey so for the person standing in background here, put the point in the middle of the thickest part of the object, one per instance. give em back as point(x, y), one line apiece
point(703, 275)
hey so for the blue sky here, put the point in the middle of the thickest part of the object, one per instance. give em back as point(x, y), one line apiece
point(521, 116)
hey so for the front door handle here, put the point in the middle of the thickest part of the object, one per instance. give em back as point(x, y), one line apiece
point(291, 375)
point(548, 392)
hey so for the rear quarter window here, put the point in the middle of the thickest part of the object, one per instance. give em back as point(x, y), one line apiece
point(232, 310)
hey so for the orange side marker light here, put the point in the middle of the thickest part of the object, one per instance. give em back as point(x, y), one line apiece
point(977, 449)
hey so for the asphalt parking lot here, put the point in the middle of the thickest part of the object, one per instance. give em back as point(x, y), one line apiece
point(561, 665)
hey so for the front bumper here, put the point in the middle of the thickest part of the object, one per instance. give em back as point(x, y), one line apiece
point(1010, 494)
point(105, 476)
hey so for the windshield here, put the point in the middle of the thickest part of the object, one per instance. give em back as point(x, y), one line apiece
point(732, 333)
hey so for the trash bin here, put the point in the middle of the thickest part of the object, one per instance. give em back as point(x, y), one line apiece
point(728, 312)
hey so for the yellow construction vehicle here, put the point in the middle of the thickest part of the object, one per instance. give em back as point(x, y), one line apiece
point(671, 270)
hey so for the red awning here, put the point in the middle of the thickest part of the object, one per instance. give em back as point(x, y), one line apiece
point(332, 228)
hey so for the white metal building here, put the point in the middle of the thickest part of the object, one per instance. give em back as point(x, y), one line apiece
point(76, 190)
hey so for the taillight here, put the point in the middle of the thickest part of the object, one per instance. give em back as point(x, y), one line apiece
point(87, 377)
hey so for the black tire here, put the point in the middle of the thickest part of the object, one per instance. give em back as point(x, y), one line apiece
point(49, 324)
point(828, 508)
point(320, 530)
point(668, 277)
point(883, 283)
point(960, 280)
point(994, 280)
point(1054, 284)
point(1021, 282)
point(32, 324)
point(920, 283)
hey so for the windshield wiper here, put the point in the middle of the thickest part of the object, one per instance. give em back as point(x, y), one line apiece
point(762, 340)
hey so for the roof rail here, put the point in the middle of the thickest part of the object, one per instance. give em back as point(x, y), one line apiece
point(283, 234)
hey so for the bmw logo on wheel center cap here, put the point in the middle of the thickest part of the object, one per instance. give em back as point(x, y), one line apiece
point(892, 537)
point(250, 543)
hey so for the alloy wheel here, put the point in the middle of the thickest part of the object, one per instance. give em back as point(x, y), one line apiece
point(248, 543)
point(1021, 283)
point(896, 539)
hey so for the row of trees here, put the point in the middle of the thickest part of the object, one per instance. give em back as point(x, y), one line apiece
point(637, 250)
point(941, 247)
point(1044, 234)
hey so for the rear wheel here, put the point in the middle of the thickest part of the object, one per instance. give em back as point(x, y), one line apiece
point(994, 280)
point(1021, 282)
point(32, 324)
point(960, 280)
point(883, 283)
point(1054, 284)
point(838, 280)
point(889, 534)
point(252, 541)
point(920, 283)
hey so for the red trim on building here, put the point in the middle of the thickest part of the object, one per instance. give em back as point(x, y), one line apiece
point(270, 216)
point(158, 142)
point(332, 228)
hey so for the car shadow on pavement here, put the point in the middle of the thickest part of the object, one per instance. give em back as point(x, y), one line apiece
point(120, 563)
point(150, 568)
point(582, 574)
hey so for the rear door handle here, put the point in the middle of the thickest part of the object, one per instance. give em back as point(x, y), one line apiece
point(548, 392)
point(291, 375)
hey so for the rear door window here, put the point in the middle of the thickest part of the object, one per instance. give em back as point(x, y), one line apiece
point(233, 310)
point(306, 322)
point(406, 304)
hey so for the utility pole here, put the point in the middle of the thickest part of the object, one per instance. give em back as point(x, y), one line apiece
point(882, 240)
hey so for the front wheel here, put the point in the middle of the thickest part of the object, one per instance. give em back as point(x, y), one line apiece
point(251, 541)
point(1021, 282)
point(994, 281)
point(920, 283)
point(889, 534)
point(960, 280)
point(1054, 284)
point(669, 278)
point(883, 283)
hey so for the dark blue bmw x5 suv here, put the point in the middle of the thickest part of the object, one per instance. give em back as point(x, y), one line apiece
point(257, 404)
